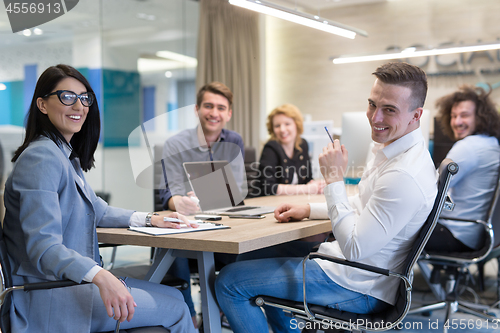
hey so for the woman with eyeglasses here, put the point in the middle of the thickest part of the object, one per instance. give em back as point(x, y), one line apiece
point(51, 219)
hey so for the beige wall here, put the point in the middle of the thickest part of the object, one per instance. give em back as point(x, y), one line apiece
point(299, 70)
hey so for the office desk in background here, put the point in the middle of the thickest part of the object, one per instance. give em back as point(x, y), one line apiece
point(245, 235)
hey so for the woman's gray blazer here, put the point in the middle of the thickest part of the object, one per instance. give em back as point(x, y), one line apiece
point(50, 232)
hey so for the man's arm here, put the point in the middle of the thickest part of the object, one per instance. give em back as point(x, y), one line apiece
point(288, 213)
point(465, 156)
point(183, 204)
point(396, 199)
point(174, 196)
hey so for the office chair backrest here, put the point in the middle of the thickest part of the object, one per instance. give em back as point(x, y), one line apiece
point(6, 282)
point(494, 212)
point(446, 170)
point(252, 172)
point(157, 177)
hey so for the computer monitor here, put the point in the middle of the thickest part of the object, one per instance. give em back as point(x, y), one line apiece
point(356, 137)
point(425, 125)
point(317, 127)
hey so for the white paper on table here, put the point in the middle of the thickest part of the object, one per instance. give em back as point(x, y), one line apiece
point(202, 226)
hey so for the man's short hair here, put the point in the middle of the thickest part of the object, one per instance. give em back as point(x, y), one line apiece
point(406, 75)
point(486, 114)
point(217, 88)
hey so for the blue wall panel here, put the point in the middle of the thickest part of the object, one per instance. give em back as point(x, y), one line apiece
point(30, 78)
point(5, 105)
point(17, 109)
point(173, 117)
point(121, 106)
point(148, 106)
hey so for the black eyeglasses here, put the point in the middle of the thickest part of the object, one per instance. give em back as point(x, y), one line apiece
point(69, 98)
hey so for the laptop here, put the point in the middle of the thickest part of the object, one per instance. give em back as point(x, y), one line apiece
point(216, 188)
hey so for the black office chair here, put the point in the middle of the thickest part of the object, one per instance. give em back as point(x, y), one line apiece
point(7, 288)
point(393, 315)
point(456, 268)
point(252, 172)
point(494, 253)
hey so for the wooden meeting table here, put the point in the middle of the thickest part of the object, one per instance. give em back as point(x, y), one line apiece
point(244, 235)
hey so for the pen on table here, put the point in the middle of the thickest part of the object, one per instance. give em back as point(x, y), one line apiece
point(326, 129)
point(178, 221)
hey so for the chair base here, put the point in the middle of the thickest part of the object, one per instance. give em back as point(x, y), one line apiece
point(456, 306)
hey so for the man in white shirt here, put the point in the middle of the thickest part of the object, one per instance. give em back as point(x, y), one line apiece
point(376, 227)
point(469, 116)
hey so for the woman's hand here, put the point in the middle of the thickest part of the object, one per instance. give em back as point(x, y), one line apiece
point(157, 221)
point(315, 186)
point(115, 296)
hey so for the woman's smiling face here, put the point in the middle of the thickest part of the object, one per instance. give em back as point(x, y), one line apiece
point(67, 119)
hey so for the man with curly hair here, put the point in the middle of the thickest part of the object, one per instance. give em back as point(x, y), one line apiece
point(469, 116)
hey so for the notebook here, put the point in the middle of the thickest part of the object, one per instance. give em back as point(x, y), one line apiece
point(216, 188)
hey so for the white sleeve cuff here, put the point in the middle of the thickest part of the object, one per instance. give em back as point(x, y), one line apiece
point(92, 273)
point(318, 211)
point(335, 193)
point(138, 219)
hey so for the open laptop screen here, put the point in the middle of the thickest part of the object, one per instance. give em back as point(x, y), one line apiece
point(214, 184)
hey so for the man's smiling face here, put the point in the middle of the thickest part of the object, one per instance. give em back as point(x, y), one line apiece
point(389, 112)
point(214, 112)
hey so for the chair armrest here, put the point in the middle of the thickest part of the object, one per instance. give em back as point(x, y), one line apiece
point(359, 265)
point(340, 261)
point(462, 220)
point(51, 285)
point(486, 225)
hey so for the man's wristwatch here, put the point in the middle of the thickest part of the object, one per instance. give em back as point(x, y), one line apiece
point(148, 219)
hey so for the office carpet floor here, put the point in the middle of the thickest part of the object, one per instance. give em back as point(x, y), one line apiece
point(127, 256)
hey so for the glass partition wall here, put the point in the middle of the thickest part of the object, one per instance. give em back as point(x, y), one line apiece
point(140, 58)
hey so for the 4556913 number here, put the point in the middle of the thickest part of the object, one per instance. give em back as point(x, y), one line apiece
point(26, 7)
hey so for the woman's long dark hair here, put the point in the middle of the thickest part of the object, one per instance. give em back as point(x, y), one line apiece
point(84, 143)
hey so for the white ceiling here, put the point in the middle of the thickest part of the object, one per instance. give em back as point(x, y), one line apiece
point(145, 26)
point(121, 22)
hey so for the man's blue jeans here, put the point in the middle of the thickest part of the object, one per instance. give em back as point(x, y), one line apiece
point(239, 283)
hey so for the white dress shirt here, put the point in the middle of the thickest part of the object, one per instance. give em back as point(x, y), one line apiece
point(379, 225)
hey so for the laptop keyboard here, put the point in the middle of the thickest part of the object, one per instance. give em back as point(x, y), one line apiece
point(237, 209)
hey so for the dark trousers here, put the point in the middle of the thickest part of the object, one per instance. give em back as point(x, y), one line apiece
point(442, 240)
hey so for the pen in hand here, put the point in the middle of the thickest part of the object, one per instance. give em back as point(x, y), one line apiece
point(326, 129)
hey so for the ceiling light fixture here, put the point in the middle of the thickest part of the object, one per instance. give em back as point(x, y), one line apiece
point(188, 61)
point(412, 52)
point(312, 21)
